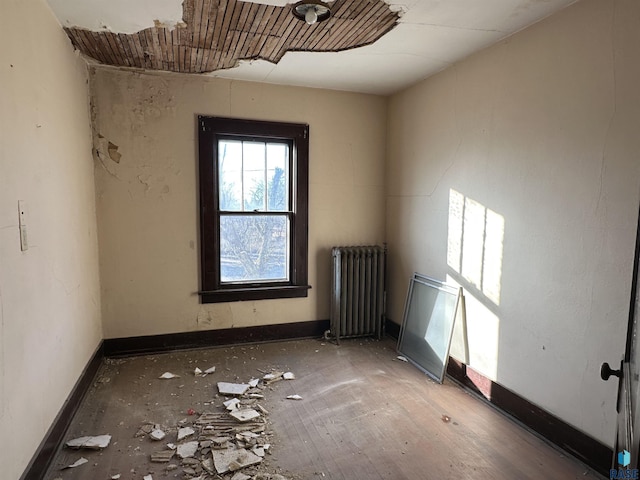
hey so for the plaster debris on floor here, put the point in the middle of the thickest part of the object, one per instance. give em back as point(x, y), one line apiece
point(228, 441)
point(226, 388)
point(92, 443)
point(77, 463)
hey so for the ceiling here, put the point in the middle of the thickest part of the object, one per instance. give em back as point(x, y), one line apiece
point(367, 46)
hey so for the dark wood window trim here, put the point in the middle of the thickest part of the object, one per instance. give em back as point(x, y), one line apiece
point(210, 129)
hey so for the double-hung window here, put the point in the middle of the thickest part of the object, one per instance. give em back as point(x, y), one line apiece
point(253, 209)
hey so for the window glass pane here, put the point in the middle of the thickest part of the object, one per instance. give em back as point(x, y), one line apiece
point(253, 175)
point(254, 248)
point(230, 174)
point(277, 177)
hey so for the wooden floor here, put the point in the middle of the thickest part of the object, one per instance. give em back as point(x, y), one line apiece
point(364, 415)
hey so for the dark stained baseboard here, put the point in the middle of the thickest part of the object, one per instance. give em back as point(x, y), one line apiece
point(392, 328)
point(116, 347)
point(43, 457)
point(582, 446)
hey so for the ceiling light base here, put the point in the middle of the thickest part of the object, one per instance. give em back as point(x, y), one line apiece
point(311, 11)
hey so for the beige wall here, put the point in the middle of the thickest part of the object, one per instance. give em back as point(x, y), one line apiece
point(49, 294)
point(537, 136)
point(147, 203)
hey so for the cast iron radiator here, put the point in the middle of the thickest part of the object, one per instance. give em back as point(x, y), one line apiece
point(358, 291)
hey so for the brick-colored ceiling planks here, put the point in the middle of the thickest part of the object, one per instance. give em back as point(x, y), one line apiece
point(218, 33)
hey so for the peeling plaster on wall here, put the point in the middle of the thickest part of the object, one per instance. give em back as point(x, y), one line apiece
point(113, 152)
point(109, 14)
point(103, 151)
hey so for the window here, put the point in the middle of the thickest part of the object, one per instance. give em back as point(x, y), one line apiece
point(253, 209)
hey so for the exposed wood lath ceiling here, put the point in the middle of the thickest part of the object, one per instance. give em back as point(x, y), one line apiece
point(219, 33)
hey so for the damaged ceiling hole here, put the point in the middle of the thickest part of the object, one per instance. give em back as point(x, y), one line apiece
point(255, 32)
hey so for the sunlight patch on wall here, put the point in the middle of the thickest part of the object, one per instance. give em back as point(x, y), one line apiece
point(474, 254)
point(475, 243)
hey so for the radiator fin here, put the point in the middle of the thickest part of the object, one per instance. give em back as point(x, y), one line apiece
point(358, 291)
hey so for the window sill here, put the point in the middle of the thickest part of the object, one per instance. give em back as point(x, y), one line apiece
point(261, 293)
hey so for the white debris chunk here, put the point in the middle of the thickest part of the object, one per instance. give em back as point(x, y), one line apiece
point(259, 451)
point(240, 476)
point(115, 477)
point(289, 376)
point(245, 415)
point(77, 463)
point(230, 460)
point(171, 446)
point(187, 450)
point(232, 388)
point(168, 375)
point(402, 358)
point(94, 443)
point(294, 397)
point(197, 372)
point(147, 477)
point(210, 370)
point(157, 434)
point(254, 382)
point(231, 404)
point(185, 432)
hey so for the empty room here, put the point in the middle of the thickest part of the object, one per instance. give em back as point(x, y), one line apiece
point(219, 219)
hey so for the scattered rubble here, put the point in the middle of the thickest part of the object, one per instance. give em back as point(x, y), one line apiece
point(163, 456)
point(232, 459)
point(240, 476)
point(185, 432)
point(233, 388)
point(77, 463)
point(157, 434)
point(245, 415)
point(186, 450)
point(294, 397)
point(92, 443)
point(216, 444)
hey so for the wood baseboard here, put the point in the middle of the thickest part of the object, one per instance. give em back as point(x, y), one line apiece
point(392, 328)
point(582, 446)
point(117, 347)
point(53, 439)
